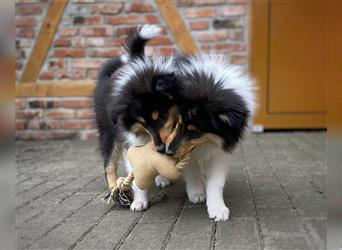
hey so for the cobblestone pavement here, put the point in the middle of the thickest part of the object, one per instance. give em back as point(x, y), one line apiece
point(276, 193)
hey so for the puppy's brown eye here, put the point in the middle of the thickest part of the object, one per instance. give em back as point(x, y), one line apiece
point(191, 127)
point(155, 115)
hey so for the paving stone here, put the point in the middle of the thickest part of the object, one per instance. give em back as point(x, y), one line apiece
point(110, 231)
point(281, 175)
point(237, 234)
point(192, 230)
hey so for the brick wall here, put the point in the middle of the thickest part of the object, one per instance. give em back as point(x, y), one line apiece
point(92, 31)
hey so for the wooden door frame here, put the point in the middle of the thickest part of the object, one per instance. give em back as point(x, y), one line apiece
point(259, 14)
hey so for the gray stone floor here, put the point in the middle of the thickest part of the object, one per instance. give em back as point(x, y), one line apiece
point(275, 192)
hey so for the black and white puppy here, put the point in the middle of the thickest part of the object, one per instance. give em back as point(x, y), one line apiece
point(132, 105)
point(216, 102)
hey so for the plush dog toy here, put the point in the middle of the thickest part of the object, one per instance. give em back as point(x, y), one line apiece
point(146, 165)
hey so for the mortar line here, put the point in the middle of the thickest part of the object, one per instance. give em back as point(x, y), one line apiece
point(30, 188)
point(132, 226)
point(92, 227)
point(37, 197)
point(22, 181)
point(172, 226)
point(257, 216)
point(75, 211)
point(289, 197)
point(213, 236)
point(317, 189)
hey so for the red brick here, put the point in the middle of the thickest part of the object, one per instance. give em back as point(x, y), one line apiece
point(46, 124)
point(238, 59)
point(84, 1)
point(199, 25)
point(161, 51)
point(237, 35)
point(27, 114)
point(77, 103)
point(229, 47)
point(160, 40)
point(71, 74)
point(115, 20)
point(44, 104)
point(86, 64)
point(26, 32)
point(61, 135)
point(20, 103)
point(139, 7)
point(85, 114)
point(107, 8)
point(60, 114)
point(89, 134)
point(62, 42)
point(89, 42)
point(68, 31)
point(233, 10)
point(92, 20)
point(123, 31)
point(151, 19)
point(30, 135)
point(104, 52)
point(20, 125)
point(28, 9)
point(77, 53)
point(200, 12)
point(25, 43)
point(26, 20)
point(46, 75)
point(96, 31)
point(114, 42)
point(92, 74)
point(79, 124)
point(57, 64)
point(205, 48)
point(213, 36)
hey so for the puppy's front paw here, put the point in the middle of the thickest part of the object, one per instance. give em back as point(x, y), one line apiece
point(139, 205)
point(162, 182)
point(196, 197)
point(218, 212)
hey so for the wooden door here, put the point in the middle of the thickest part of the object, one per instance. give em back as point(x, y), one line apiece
point(287, 58)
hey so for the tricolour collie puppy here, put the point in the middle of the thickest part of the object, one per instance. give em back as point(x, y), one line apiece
point(216, 102)
point(132, 105)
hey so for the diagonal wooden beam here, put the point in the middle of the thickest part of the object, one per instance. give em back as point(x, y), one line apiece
point(44, 40)
point(175, 23)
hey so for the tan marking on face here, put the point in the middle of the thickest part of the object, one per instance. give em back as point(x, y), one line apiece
point(167, 129)
point(140, 119)
point(138, 129)
point(155, 115)
point(188, 145)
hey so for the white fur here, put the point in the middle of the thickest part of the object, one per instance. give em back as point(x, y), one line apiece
point(232, 77)
point(134, 69)
point(161, 181)
point(124, 58)
point(149, 31)
point(213, 162)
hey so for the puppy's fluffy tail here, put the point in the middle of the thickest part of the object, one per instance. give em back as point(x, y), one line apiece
point(136, 40)
point(110, 66)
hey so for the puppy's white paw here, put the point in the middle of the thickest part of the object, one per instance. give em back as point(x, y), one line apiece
point(196, 197)
point(139, 205)
point(218, 212)
point(162, 182)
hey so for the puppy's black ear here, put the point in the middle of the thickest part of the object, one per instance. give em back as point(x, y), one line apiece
point(235, 118)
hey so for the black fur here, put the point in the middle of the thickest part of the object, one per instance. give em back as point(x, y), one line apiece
point(135, 44)
point(203, 103)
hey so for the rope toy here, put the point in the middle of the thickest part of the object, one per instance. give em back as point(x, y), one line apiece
point(146, 165)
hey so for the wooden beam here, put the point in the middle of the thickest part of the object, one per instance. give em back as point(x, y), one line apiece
point(55, 89)
point(44, 40)
point(175, 23)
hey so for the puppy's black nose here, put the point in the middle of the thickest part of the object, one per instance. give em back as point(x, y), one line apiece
point(169, 152)
point(160, 148)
